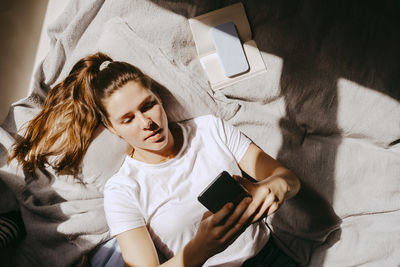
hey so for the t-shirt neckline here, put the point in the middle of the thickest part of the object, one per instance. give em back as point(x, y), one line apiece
point(165, 163)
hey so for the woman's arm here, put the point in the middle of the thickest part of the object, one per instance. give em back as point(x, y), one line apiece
point(137, 247)
point(216, 232)
point(275, 182)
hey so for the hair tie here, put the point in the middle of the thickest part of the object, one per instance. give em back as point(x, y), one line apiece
point(104, 65)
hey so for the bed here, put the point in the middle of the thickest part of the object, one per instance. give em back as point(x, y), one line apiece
point(327, 108)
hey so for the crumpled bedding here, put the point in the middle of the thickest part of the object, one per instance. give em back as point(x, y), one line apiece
point(327, 108)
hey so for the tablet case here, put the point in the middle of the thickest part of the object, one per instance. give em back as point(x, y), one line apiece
point(200, 27)
point(222, 190)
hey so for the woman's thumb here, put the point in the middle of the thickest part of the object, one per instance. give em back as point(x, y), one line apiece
point(206, 215)
point(243, 181)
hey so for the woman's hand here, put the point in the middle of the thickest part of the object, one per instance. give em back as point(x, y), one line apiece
point(267, 194)
point(217, 231)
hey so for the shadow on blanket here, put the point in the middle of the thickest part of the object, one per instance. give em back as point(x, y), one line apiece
point(321, 43)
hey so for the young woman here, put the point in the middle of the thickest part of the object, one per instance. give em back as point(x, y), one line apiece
point(151, 202)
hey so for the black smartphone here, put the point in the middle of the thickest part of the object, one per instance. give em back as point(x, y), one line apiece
point(221, 190)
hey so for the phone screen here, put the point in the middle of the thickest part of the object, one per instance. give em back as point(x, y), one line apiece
point(221, 190)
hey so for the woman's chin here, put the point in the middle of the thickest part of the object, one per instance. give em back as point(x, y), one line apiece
point(157, 145)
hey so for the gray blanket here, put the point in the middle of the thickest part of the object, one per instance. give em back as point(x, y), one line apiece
point(327, 108)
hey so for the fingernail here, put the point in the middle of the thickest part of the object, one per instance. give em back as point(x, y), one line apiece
point(230, 205)
point(248, 200)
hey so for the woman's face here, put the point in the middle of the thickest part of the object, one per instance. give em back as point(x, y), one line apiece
point(136, 114)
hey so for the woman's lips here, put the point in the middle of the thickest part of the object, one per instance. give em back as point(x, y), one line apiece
point(154, 135)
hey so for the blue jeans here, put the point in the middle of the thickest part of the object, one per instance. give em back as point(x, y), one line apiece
point(271, 256)
point(108, 255)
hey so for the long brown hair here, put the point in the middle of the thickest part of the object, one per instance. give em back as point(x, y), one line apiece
point(61, 133)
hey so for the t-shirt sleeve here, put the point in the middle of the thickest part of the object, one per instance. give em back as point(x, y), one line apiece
point(121, 209)
point(233, 138)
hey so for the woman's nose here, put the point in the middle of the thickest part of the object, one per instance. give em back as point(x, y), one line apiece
point(146, 122)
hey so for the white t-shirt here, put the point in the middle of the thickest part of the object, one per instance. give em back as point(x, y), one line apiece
point(163, 197)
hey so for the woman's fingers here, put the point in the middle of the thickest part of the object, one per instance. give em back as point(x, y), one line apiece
point(235, 217)
point(220, 215)
point(274, 207)
point(264, 207)
point(237, 221)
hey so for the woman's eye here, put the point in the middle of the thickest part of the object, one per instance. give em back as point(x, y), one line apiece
point(149, 105)
point(128, 120)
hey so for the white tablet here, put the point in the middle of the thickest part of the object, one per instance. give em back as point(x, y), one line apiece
point(229, 49)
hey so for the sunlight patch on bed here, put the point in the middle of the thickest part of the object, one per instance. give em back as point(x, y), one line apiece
point(359, 107)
